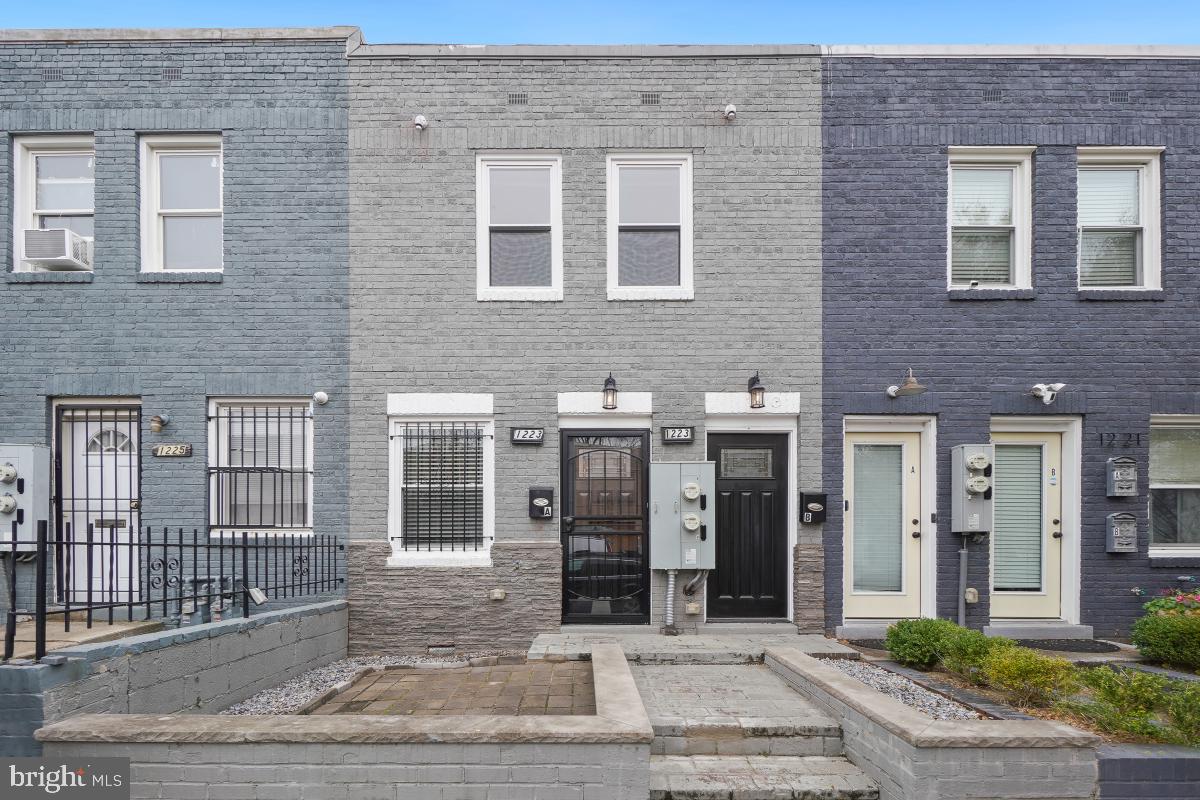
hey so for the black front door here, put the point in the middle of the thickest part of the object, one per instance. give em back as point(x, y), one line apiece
point(750, 580)
point(606, 571)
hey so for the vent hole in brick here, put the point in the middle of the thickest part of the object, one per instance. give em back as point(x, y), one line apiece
point(993, 95)
point(51, 73)
point(1118, 96)
point(172, 73)
point(518, 98)
point(650, 98)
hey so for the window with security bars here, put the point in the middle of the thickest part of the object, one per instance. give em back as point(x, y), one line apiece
point(519, 228)
point(443, 475)
point(260, 465)
point(650, 227)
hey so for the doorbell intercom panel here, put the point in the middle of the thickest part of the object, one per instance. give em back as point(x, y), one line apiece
point(683, 531)
point(24, 491)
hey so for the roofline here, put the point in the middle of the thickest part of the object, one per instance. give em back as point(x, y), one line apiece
point(1100, 51)
point(72, 35)
point(567, 51)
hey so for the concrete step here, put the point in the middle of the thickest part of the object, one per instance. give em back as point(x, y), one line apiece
point(758, 778)
point(746, 737)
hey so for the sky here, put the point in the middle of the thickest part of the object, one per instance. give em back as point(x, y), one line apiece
point(655, 21)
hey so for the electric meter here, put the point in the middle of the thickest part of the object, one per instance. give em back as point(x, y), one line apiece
point(979, 462)
point(978, 484)
point(8, 504)
point(691, 522)
point(691, 490)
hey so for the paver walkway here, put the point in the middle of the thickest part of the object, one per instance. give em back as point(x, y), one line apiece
point(504, 689)
point(653, 648)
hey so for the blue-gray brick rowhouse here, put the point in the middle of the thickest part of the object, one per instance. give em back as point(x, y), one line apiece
point(526, 221)
point(1072, 162)
point(209, 167)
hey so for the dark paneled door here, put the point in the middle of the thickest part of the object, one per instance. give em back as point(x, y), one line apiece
point(606, 572)
point(750, 580)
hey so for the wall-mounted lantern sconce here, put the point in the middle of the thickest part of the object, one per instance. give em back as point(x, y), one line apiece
point(610, 393)
point(158, 422)
point(910, 386)
point(758, 392)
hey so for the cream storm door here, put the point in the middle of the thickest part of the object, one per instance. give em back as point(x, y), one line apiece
point(1027, 535)
point(882, 575)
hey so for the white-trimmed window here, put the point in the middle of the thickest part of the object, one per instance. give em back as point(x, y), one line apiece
point(442, 474)
point(519, 227)
point(650, 227)
point(1118, 218)
point(990, 221)
point(1175, 486)
point(260, 465)
point(182, 217)
point(54, 185)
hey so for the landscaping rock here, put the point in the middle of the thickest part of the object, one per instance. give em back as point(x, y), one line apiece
point(900, 688)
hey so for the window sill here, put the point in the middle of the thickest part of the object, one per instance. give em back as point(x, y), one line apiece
point(235, 534)
point(49, 277)
point(1152, 295)
point(1175, 552)
point(650, 293)
point(440, 558)
point(991, 294)
point(180, 277)
point(519, 293)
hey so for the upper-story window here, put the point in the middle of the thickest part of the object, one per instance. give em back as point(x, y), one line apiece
point(1118, 218)
point(990, 221)
point(182, 217)
point(519, 227)
point(54, 190)
point(650, 227)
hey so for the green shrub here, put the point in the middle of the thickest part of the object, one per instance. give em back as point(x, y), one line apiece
point(1109, 718)
point(1183, 709)
point(1169, 639)
point(1031, 679)
point(917, 642)
point(963, 652)
point(1129, 691)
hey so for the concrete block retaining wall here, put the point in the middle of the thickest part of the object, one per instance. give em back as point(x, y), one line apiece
point(1148, 772)
point(203, 668)
point(913, 757)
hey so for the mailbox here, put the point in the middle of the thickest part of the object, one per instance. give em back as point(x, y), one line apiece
point(1122, 533)
point(541, 502)
point(1122, 477)
point(812, 507)
point(24, 491)
point(971, 488)
point(683, 531)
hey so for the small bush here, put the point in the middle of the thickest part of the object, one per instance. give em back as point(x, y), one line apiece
point(1183, 709)
point(917, 642)
point(1111, 719)
point(963, 652)
point(1030, 678)
point(1169, 639)
point(1129, 691)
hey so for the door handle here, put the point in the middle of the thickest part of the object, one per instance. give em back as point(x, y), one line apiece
point(134, 505)
point(916, 534)
point(1057, 534)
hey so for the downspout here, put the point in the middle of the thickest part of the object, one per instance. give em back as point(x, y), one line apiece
point(962, 582)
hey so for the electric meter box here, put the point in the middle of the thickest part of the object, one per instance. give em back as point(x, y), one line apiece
point(683, 512)
point(24, 492)
point(971, 488)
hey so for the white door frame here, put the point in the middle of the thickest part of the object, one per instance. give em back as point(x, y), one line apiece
point(729, 412)
point(926, 426)
point(1071, 428)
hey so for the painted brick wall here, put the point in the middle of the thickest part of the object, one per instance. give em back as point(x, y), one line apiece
point(886, 125)
point(417, 327)
point(274, 324)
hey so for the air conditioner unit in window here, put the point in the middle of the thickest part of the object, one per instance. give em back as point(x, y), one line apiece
point(57, 249)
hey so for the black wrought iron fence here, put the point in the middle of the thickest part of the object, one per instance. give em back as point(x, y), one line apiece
point(110, 574)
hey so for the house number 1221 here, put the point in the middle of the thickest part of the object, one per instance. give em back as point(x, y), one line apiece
point(1120, 439)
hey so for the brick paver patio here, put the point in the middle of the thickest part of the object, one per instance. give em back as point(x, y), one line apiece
point(503, 689)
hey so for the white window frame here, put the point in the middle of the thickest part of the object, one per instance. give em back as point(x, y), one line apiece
point(150, 147)
point(483, 251)
point(685, 290)
point(1163, 421)
point(25, 150)
point(1147, 161)
point(418, 408)
point(217, 448)
point(1020, 161)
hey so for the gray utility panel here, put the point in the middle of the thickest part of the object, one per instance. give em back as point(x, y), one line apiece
point(24, 491)
point(971, 488)
point(683, 531)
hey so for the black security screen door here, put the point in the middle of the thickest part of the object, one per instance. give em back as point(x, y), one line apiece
point(606, 573)
point(750, 581)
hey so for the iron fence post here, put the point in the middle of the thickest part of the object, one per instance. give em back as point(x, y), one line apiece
point(245, 577)
point(10, 624)
point(39, 631)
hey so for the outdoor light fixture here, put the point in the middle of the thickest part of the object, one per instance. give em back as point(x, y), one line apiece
point(910, 386)
point(758, 392)
point(320, 398)
point(420, 123)
point(158, 422)
point(610, 393)
point(1047, 391)
point(729, 113)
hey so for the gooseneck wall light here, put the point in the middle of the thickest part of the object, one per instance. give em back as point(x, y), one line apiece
point(909, 386)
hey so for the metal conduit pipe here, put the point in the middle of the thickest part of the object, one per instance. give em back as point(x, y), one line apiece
point(691, 586)
point(670, 615)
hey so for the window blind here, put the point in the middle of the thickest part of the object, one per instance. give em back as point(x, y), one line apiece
point(982, 218)
point(1017, 540)
point(648, 233)
point(878, 517)
point(519, 200)
point(1175, 456)
point(982, 196)
point(982, 256)
point(442, 486)
point(1109, 198)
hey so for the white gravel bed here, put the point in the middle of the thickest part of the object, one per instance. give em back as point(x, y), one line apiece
point(931, 704)
point(289, 697)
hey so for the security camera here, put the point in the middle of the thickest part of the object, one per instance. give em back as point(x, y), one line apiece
point(320, 398)
point(420, 123)
point(1047, 391)
point(730, 112)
